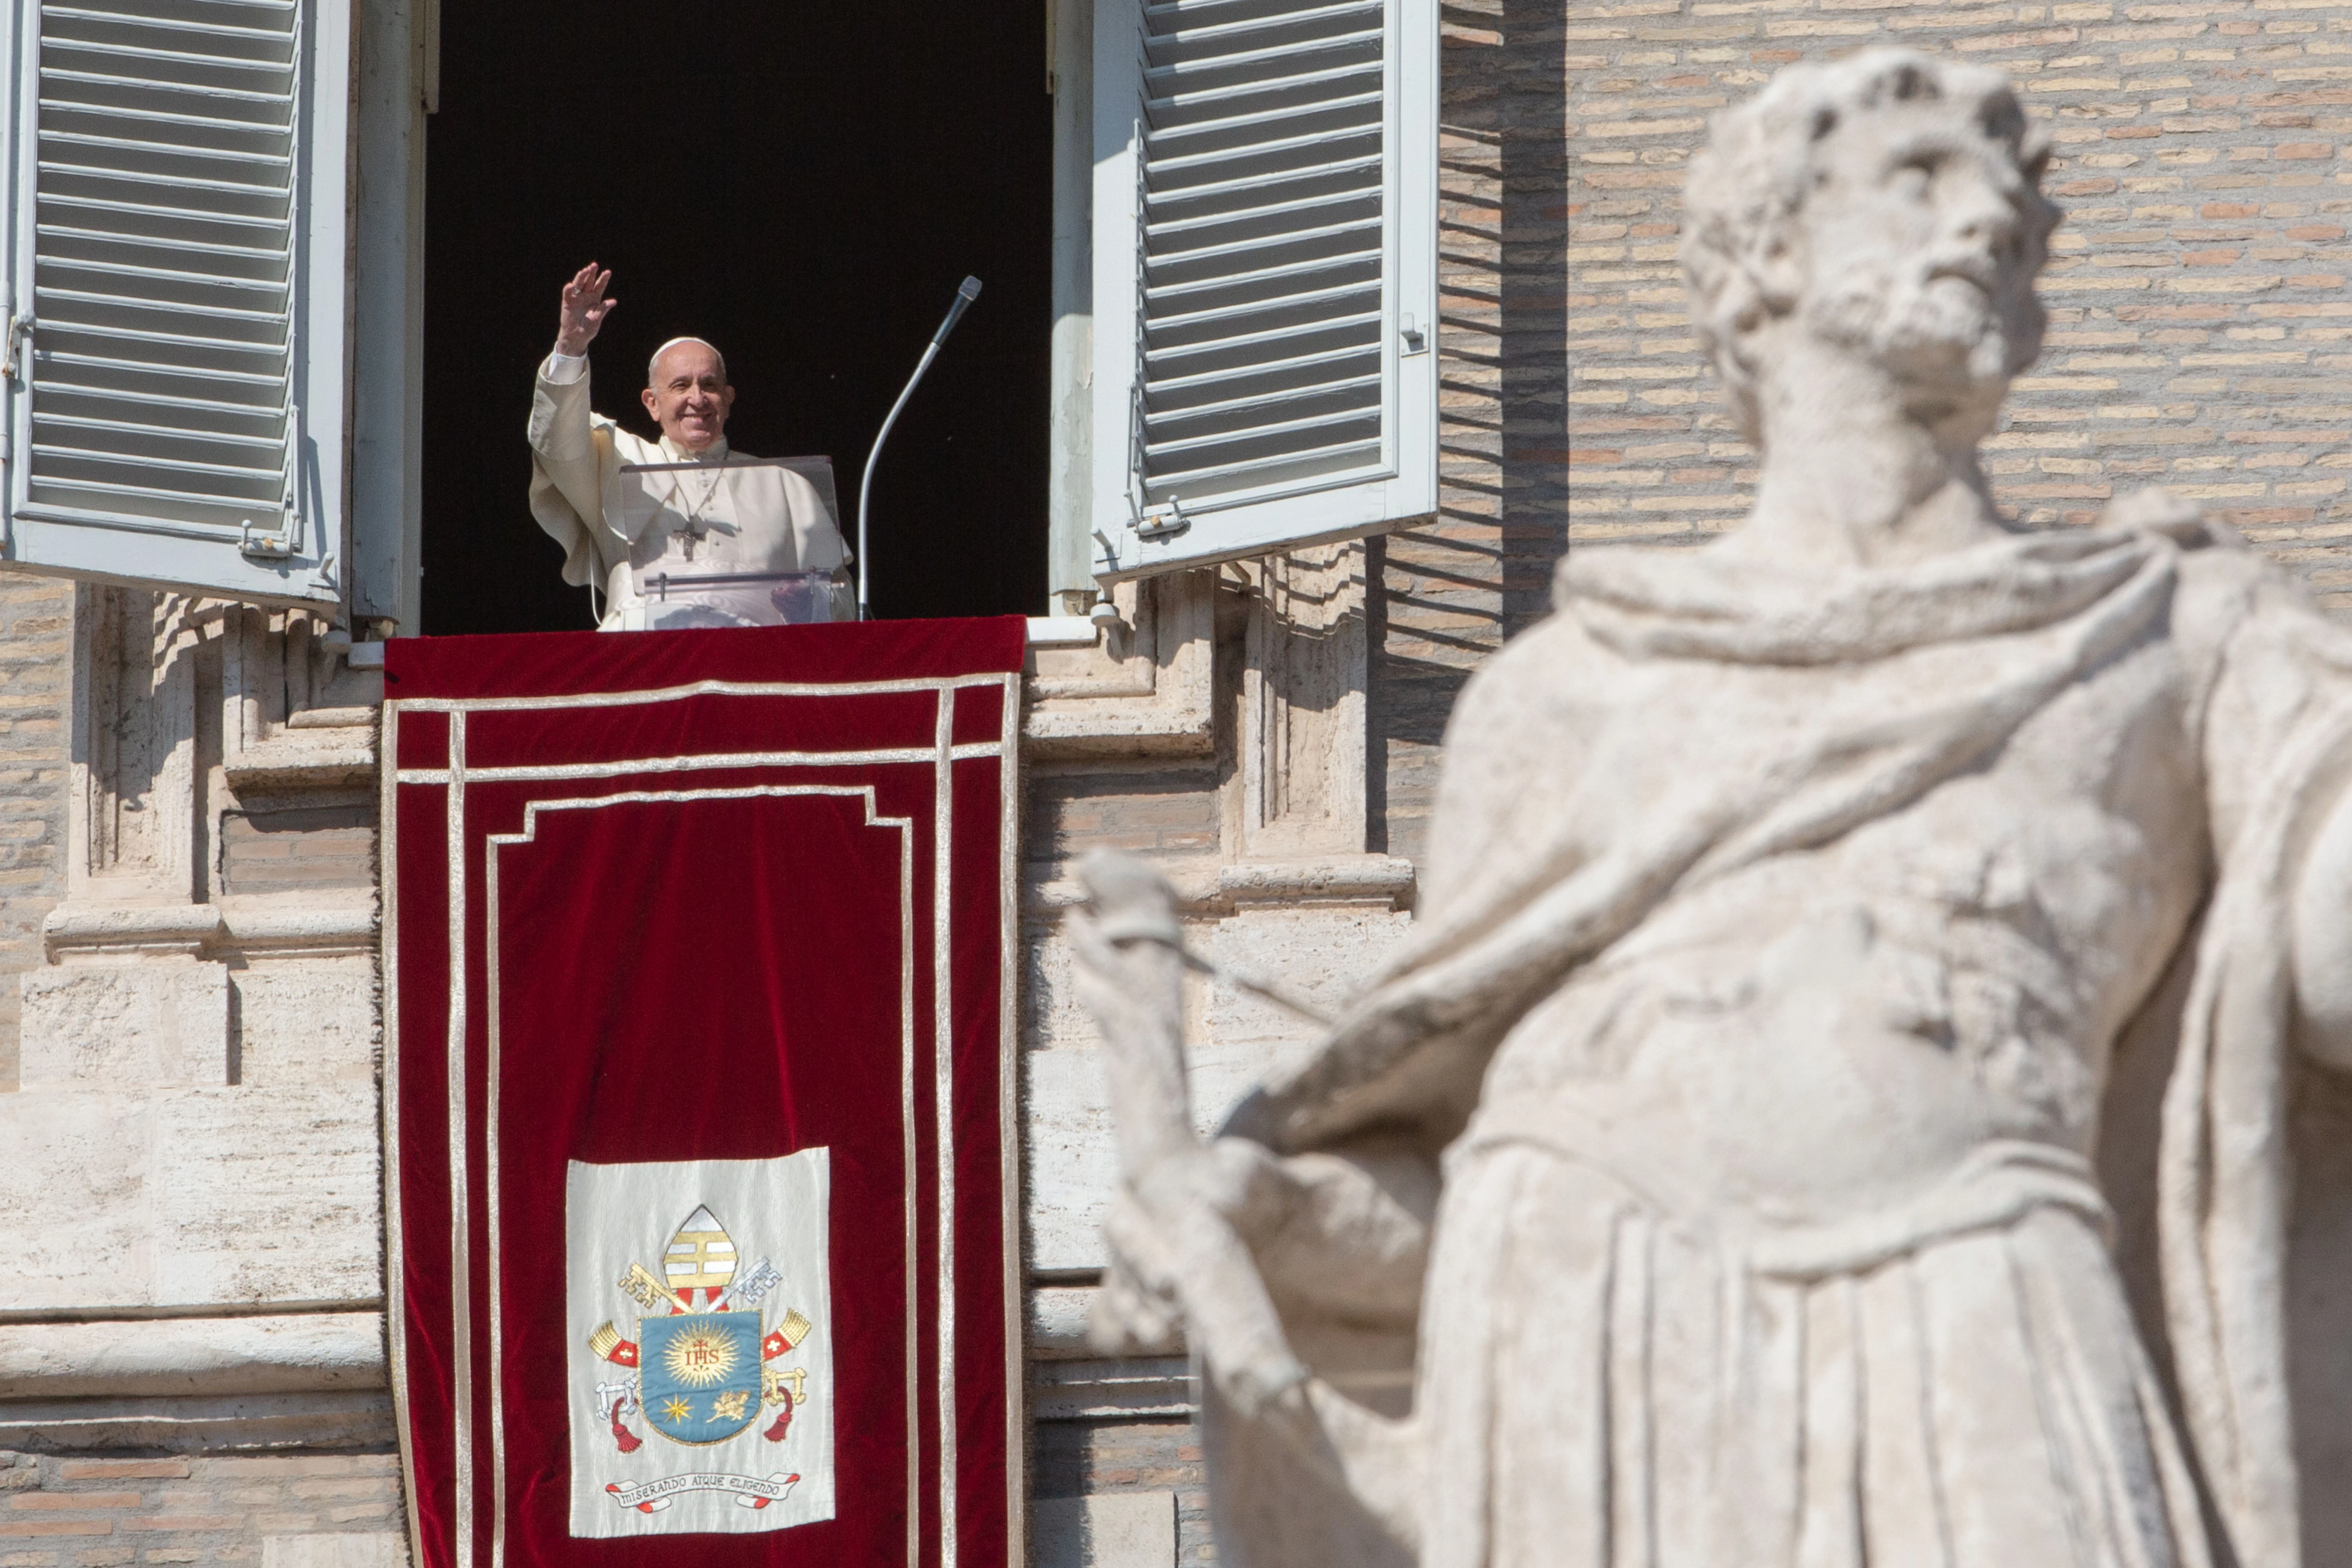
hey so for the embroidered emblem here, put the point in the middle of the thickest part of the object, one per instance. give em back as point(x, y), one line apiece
point(700, 1349)
point(703, 1354)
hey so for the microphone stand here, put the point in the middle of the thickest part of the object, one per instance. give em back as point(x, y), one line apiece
point(965, 294)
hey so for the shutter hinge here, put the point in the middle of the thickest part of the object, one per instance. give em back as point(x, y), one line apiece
point(264, 546)
point(1163, 521)
point(20, 331)
point(1416, 341)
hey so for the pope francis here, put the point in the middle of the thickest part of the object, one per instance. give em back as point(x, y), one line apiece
point(681, 531)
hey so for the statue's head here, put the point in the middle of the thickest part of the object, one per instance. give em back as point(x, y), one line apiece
point(1888, 205)
point(687, 391)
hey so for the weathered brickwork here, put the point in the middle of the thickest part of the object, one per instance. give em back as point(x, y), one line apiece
point(90, 1512)
point(2198, 312)
point(1166, 811)
point(298, 850)
point(1076, 1459)
point(35, 667)
point(2197, 291)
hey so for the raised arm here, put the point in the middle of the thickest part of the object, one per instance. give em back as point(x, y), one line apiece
point(562, 431)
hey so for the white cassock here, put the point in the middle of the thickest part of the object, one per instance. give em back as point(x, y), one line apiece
point(640, 530)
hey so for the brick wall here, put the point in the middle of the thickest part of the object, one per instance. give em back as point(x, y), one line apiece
point(36, 666)
point(67, 1512)
point(1072, 1459)
point(1164, 812)
point(2199, 314)
point(298, 850)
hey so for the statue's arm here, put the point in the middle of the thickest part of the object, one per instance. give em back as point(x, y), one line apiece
point(2272, 681)
point(2321, 928)
point(1218, 1236)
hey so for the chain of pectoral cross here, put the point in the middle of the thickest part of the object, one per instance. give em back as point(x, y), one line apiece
point(695, 529)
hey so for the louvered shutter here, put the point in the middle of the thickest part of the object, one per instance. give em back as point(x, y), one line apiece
point(1265, 290)
point(178, 294)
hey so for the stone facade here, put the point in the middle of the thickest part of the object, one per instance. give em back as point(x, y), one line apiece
point(36, 668)
point(191, 1315)
point(194, 1077)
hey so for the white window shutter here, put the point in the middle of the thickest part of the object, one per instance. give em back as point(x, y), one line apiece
point(1265, 276)
point(176, 294)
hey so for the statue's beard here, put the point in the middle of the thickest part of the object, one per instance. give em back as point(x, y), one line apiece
point(1934, 331)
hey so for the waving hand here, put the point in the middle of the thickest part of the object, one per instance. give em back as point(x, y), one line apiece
point(585, 306)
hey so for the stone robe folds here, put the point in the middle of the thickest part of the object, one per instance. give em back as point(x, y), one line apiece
point(617, 526)
point(1776, 938)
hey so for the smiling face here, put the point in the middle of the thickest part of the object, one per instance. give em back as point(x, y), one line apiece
point(1937, 229)
point(688, 396)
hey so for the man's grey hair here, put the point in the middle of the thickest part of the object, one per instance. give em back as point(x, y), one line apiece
point(1747, 186)
point(652, 366)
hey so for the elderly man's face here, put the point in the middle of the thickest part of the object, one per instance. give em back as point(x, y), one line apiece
point(1935, 236)
point(690, 397)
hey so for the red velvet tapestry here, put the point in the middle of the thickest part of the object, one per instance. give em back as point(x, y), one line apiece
point(699, 1085)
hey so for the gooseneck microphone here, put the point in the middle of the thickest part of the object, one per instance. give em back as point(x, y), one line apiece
point(966, 293)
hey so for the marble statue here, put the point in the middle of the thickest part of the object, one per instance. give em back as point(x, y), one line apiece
point(1710, 1179)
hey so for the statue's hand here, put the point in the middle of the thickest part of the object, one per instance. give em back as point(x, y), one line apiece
point(1131, 977)
point(585, 307)
point(1171, 1231)
point(2157, 510)
point(1138, 1310)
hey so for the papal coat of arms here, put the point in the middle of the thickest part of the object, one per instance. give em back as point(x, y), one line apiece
point(702, 1370)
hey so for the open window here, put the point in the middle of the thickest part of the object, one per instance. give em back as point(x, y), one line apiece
point(177, 353)
point(846, 166)
point(1264, 276)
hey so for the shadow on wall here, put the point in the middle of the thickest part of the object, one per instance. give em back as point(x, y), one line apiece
point(1453, 590)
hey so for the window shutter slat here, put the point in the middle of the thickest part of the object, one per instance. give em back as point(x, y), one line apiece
point(1266, 235)
point(167, 211)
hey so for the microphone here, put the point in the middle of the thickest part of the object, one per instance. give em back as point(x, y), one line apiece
point(966, 292)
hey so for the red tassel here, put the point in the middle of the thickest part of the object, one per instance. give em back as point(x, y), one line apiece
point(629, 1441)
point(784, 1419)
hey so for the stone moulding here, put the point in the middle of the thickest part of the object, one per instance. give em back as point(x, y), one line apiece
point(80, 929)
point(186, 1424)
point(297, 1353)
point(1144, 691)
point(1385, 880)
point(74, 931)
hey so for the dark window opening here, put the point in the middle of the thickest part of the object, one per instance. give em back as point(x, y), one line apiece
point(804, 184)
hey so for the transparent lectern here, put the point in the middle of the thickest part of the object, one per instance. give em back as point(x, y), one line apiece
point(729, 544)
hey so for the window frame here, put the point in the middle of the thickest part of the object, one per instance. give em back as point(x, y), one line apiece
point(314, 574)
point(1402, 488)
